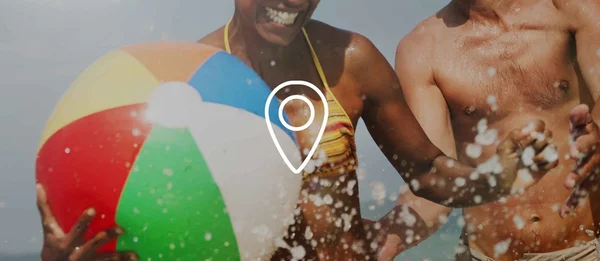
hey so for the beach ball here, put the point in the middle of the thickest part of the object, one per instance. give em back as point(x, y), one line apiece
point(169, 141)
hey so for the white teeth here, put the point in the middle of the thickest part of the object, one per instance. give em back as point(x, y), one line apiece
point(281, 17)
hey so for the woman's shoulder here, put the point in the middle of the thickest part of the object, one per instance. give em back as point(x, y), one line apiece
point(356, 49)
point(214, 38)
point(332, 36)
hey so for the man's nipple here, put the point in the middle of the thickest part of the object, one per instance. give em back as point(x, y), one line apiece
point(469, 110)
point(562, 84)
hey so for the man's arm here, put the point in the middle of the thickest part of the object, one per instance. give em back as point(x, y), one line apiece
point(583, 20)
point(431, 174)
point(427, 103)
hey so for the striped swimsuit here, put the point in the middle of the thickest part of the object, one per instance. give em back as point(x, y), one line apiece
point(338, 142)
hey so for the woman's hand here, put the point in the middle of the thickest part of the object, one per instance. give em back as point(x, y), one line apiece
point(526, 156)
point(59, 246)
point(400, 229)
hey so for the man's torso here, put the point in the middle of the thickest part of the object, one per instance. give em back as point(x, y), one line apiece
point(509, 75)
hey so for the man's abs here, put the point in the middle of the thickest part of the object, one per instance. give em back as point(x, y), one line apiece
point(529, 223)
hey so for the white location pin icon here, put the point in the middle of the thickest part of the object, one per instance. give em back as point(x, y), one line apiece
point(300, 128)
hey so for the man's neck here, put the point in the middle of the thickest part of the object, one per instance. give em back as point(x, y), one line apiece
point(490, 10)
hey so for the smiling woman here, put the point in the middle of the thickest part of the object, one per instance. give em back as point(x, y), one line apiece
point(276, 22)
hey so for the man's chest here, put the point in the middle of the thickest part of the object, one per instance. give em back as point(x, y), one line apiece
point(507, 72)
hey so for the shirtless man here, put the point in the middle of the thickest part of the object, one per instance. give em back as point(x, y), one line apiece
point(478, 67)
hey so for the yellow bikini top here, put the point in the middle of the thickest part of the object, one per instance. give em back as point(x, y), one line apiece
point(338, 144)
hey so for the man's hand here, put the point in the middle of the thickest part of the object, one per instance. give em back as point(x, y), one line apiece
point(59, 246)
point(525, 156)
point(583, 148)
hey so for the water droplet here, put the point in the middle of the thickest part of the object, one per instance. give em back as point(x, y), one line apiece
point(136, 211)
point(492, 181)
point(168, 172)
point(461, 222)
point(487, 138)
point(310, 167)
point(350, 187)
point(169, 185)
point(378, 191)
point(492, 165)
point(590, 233)
point(226, 243)
point(273, 63)
point(477, 199)
point(501, 248)
point(327, 199)
point(550, 154)
point(527, 156)
point(298, 252)
point(67, 150)
point(492, 71)
point(460, 182)
point(207, 236)
point(414, 184)
point(172, 246)
point(556, 84)
point(136, 132)
point(519, 223)
point(525, 176)
point(308, 234)
point(460, 249)
point(474, 151)
point(135, 239)
point(443, 219)
point(482, 125)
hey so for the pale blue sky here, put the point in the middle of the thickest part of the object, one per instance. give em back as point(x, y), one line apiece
point(44, 44)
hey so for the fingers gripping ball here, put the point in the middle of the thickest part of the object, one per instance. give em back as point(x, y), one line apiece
point(169, 142)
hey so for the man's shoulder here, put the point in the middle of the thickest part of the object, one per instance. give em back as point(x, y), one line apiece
point(417, 51)
point(578, 13)
point(421, 38)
